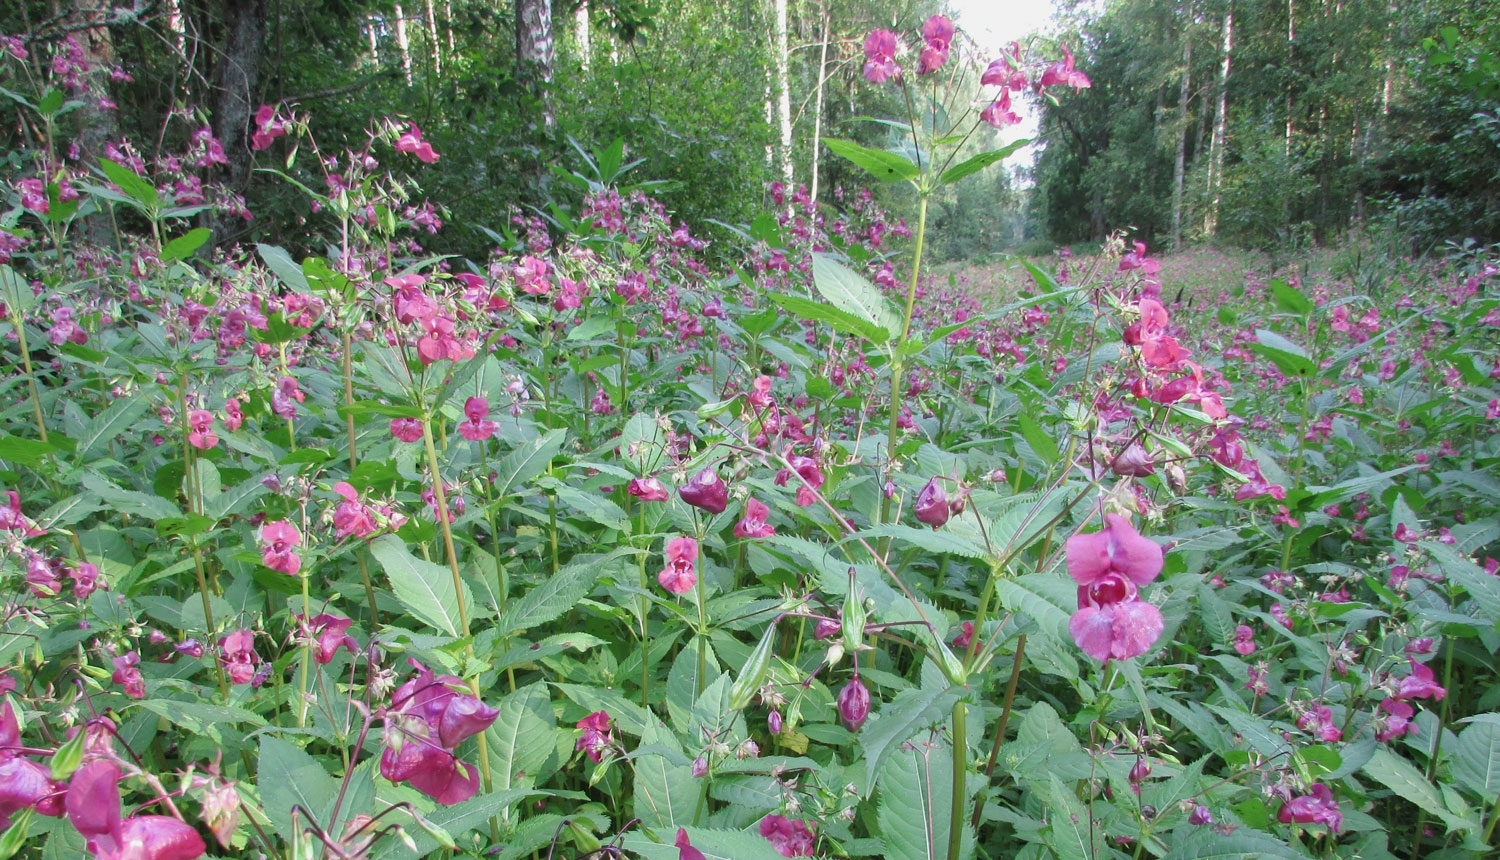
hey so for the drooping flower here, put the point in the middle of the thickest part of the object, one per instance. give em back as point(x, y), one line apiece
point(233, 417)
point(789, 838)
point(931, 507)
point(753, 524)
point(880, 57)
point(648, 489)
point(707, 491)
point(330, 632)
point(24, 784)
point(1244, 640)
point(681, 572)
point(476, 426)
point(999, 113)
point(1112, 622)
point(1319, 721)
point(854, 704)
point(406, 429)
point(1062, 72)
point(279, 541)
point(1315, 807)
point(267, 128)
point(93, 806)
point(128, 675)
point(811, 473)
point(427, 719)
point(533, 276)
point(1420, 684)
point(412, 143)
point(597, 736)
point(685, 849)
point(238, 657)
point(1394, 720)
point(352, 517)
point(201, 432)
point(937, 36)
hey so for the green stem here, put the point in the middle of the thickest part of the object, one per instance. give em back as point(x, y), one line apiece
point(960, 775)
point(19, 324)
point(307, 656)
point(364, 566)
point(1010, 698)
point(898, 364)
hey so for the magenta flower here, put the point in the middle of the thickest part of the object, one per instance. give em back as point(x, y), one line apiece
point(331, 633)
point(999, 113)
point(1315, 807)
point(533, 276)
point(1001, 73)
point(427, 719)
point(238, 657)
point(406, 429)
point(267, 128)
point(753, 524)
point(1062, 72)
point(278, 547)
point(854, 704)
point(681, 572)
point(789, 838)
point(93, 805)
point(937, 36)
point(24, 784)
point(1319, 721)
point(1112, 622)
point(412, 143)
point(931, 506)
point(1244, 640)
point(706, 491)
point(597, 737)
point(880, 57)
point(201, 432)
point(476, 426)
point(1394, 721)
point(685, 849)
point(1420, 684)
point(810, 472)
point(965, 636)
point(351, 517)
point(128, 676)
point(233, 417)
point(647, 490)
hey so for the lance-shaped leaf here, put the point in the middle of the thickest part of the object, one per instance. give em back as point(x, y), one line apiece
point(883, 165)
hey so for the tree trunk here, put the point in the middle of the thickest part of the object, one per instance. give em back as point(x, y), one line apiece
point(818, 99)
point(97, 126)
point(534, 52)
point(437, 45)
point(783, 95)
point(1221, 130)
point(582, 35)
point(1179, 166)
point(236, 83)
point(403, 42)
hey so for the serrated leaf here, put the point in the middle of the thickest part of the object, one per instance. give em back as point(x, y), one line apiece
point(103, 429)
point(139, 190)
point(1483, 588)
point(1403, 778)
point(425, 589)
point(1073, 835)
point(522, 737)
point(290, 777)
point(916, 804)
point(883, 165)
point(899, 719)
point(129, 501)
point(234, 499)
point(938, 542)
point(455, 820)
point(183, 246)
point(1476, 762)
point(527, 461)
point(715, 845)
point(849, 292)
point(1289, 298)
point(199, 718)
point(976, 163)
point(555, 595)
point(666, 794)
point(1042, 596)
point(1207, 843)
point(281, 263)
point(825, 313)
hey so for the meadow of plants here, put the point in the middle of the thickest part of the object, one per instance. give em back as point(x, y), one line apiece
point(603, 546)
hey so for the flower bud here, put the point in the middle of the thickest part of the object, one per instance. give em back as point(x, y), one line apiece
point(706, 491)
point(825, 628)
point(773, 722)
point(1133, 462)
point(932, 504)
point(854, 704)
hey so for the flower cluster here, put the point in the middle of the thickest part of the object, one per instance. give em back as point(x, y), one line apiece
point(93, 806)
point(429, 716)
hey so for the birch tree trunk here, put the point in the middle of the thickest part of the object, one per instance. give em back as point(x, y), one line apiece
point(818, 100)
point(1221, 130)
point(437, 45)
point(534, 53)
point(403, 42)
point(783, 95)
point(98, 125)
point(581, 33)
point(1179, 166)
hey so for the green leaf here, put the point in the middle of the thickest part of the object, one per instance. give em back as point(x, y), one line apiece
point(591, 328)
point(899, 719)
point(824, 313)
point(1289, 358)
point(555, 595)
point(976, 163)
point(183, 246)
point(130, 502)
point(527, 461)
point(1403, 778)
point(522, 737)
point(424, 588)
point(138, 189)
point(1207, 843)
point(1476, 762)
point(285, 268)
point(1289, 298)
point(852, 294)
point(24, 452)
point(455, 820)
point(1483, 588)
point(1040, 440)
point(666, 792)
point(715, 845)
point(121, 415)
point(234, 499)
point(629, 717)
point(937, 542)
point(200, 718)
point(50, 103)
point(1049, 600)
point(290, 777)
point(885, 166)
point(1073, 834)
point(916, 804)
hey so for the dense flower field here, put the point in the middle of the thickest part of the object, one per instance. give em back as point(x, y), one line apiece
point(595, 547)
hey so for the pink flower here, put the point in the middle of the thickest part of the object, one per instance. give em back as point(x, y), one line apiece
point(1394, 721)
point(1001, 73)
point(931, 507)
point(753, 524)
point(237, 654)
point(965, 636)
point(1244, 640)
point(937, 36)
point(128, 676)
point(789, 838)
point(201, 435)
point(330, 633)
point(1420, 684)
point(999, 113)
point(413, 144)
point(880, 57)
point(427, 719)
point(24, 784)
point(477, 427)
point(278, 542)
point(351, 517)
point(267, 128)
point(681, 572)
point(406, 429)
point(1062, 72)
point(596, 738)
point(233, 417)
point(1319, 721)
point(647, 490)
point(1112, 622)
point(1315, 807)
point(685, 849)
point(93, 805)
point(532, 276)
point(706, 491)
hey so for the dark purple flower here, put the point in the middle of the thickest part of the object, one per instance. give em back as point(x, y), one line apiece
point(854, 704)
point(706, 491)
point(1315, 807)
point(93, 805)
point(931, 507)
